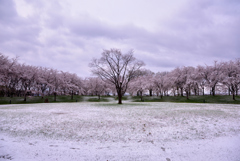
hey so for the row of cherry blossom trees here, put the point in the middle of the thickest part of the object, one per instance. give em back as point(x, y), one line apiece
point(21, 80)
point(223, 77)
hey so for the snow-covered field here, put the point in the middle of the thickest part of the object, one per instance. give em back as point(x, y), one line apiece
point(132, 131)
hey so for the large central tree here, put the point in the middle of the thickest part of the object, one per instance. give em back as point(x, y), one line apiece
point(117, 69)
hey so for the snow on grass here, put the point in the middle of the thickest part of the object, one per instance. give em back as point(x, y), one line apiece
point(132, 131)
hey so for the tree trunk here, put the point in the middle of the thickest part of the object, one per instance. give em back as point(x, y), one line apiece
point(233, 92)
point(236, 89)
point(213, 91)
point(187, 94)
point(25, 97)
point(150, 92)
point(72, 96)
point(181, 92)
point(138, 93)
point(141, 95)
point(8, 93)
point(99, 97)
point(119, 98)
point(161, 94)
point(55, 94)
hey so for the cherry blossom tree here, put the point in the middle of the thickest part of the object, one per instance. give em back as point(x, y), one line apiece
point(44, 80)
point(161, 83)
point(213, 75)
point(231, 78)
point(149, 81)
point(96, 86)
point(117, 69)
point(74, 85)
point(178, 79)
point(138, 85)
point(27, 77)
point(187, 74)
point(67, 85)
point(56, 82)
point(200, 76)
point(9, 74)
point(13, 78)
point(4, 63)
point(142, 83)
point(117, 73)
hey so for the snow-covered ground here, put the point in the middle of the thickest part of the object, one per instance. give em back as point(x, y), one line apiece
point(132, 131)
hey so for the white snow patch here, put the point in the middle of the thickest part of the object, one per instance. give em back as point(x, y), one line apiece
point(107, 131)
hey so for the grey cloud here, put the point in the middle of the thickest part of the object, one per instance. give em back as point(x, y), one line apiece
point(189, 36)
point(199, 33)
point(92, 28)
point(15, 28)
point(197, 29)
point(7, 12)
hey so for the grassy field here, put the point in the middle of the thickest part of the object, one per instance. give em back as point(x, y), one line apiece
point(36, 99)
point(108, 131)
point(178, 99)
point(114, 122)
point(192, 99)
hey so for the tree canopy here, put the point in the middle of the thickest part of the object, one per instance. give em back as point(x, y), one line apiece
point(117, 69)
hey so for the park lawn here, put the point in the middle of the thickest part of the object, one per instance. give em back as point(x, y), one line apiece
point(221, 99)
point(131, 131)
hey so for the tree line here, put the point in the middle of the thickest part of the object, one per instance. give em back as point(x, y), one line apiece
point(221, 77)
point(117, 74)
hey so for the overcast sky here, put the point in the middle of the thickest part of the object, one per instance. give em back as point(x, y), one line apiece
point(66, 35)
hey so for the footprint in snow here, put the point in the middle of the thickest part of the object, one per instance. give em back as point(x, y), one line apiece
point(6, 157)
point(163, 149)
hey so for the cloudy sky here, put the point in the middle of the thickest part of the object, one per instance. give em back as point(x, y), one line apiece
point(66, 35)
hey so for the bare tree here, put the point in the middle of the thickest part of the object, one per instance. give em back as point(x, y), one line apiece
point(117, 69)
